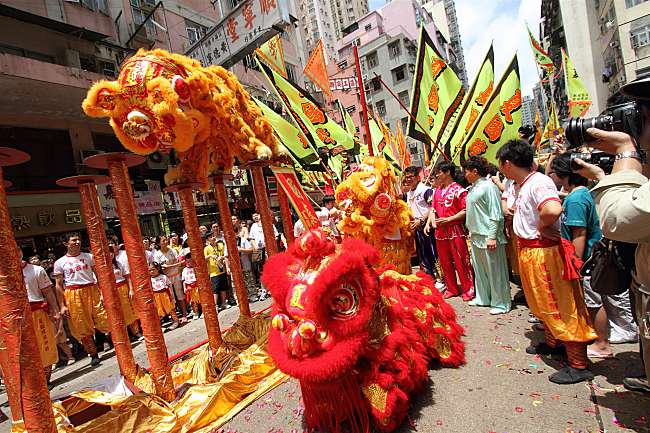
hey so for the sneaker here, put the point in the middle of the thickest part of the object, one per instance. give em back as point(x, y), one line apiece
point(545, 349)
point(533, 319)
point(568, 375)
point(94, 361)
point(227, 306)
point(175, 325)
point(623, 340)
point(639, 384)
point(495, 311)
point(440, 285)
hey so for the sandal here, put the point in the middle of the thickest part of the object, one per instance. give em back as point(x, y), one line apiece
point(594, 354)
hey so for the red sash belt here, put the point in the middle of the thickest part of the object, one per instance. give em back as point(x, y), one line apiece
point(571, 263)
point(79, 286)
point(191, 285)
point(40, 305)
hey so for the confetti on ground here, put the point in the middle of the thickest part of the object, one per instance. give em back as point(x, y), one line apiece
point(537, 402)
point(519, 409)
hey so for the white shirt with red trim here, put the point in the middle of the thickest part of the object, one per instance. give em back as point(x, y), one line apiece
point(123, 262)
point(160, 283)
point(189, 277)
point(36, 280)
point(77, 270)
point(533, 193)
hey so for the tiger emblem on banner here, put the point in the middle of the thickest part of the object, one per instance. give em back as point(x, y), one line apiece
point(433, 101)
point(313, 113)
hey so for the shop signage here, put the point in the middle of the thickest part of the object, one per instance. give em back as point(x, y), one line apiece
point(146, 202)
point(246, 27)
point(38, 220)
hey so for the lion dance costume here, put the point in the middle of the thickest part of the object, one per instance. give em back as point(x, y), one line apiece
point(358, 339)
point(375, 214)
point(163, 101)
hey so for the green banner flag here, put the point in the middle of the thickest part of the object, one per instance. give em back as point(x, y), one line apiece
point(499, 121)
point(541, 56)
point(380, 136)
point(310, 117)
point(437, 94)
point(290, 136)
point(472, 107)
point(576, 92)
point(553, 126)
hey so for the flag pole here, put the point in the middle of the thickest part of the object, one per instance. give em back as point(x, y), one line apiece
point(364, 108)
point(411, 116)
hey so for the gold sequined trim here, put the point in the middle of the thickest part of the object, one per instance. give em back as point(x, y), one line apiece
point(443, 346)
point(376, 395)
point(420, 315)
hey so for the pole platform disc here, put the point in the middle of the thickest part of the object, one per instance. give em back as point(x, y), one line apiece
point(75, 181)
point(10, 156)
point(102, 160)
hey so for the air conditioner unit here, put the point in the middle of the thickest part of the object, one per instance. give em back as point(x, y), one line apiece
point(72, 58)
point(87, 153)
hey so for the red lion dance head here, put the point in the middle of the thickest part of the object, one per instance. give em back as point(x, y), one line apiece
point(358, 341)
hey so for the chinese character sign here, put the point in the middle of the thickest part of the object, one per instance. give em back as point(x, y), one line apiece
point(250, 24)
point(146, 202)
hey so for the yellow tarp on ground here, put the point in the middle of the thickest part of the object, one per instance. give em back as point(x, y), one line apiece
point(210, 394)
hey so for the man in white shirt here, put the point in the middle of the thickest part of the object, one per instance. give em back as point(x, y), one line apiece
point(256, 236)
point(78, 295)
point(548, 276)
point(329, 215)
point(45, 309)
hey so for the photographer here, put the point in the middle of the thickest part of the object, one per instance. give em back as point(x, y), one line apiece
point(623, 204)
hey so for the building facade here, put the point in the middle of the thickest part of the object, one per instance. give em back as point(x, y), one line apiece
point(528, 110)
point(387, 41)
point(444, 17)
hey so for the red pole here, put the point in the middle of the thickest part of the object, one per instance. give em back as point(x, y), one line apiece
point(285, 211)
point(364, 108)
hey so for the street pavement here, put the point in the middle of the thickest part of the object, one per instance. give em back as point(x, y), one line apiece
point(501, 389)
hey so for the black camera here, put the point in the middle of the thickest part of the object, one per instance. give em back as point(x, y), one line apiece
point(626, 118)
point(601, 159)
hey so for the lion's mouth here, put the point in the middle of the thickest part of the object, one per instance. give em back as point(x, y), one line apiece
point(369, 181)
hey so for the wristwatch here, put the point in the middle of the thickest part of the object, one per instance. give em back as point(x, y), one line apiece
point(628, 154)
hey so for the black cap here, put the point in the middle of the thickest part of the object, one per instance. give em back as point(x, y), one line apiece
point(637, 89)
point(328, 198)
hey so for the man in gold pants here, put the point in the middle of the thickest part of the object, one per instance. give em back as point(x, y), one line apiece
point(79, 296)
point(44, 306)
point(549, 276)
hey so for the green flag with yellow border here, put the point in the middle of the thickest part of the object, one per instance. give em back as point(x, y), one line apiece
point(472, 107)
point(500, 120)
point(576, 92)
point(437, 94)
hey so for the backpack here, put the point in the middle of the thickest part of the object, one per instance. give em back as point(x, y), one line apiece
point(610, 266)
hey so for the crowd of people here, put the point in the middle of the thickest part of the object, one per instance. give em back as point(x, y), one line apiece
point(490, 228)
point(480, 230)
point(66, 303)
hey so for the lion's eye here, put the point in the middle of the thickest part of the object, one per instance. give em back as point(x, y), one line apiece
point(344, 303)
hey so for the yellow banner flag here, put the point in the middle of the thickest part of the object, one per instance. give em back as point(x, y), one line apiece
point(576, 92)
point(402, 150)
point(272, 53)
point(541, 56)
point(316, 69)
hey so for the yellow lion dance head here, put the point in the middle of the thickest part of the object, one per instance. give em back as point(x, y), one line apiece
point(163, 101)
point(374, 212)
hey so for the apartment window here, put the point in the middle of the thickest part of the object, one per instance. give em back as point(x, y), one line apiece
point(376, 84)
point(102, 6)
point(138, 18)
point(343, 64)
point(371, 60)
point(405, 122)
point(640, 37)
point(632, 3)
point(107, 68)
point(291, 72)
point(351, 109)
point(87, 63)
point(249, 63)
point(16, 51)
point(368, 26)
point(394, 49)
point(399, 74)
point(90, 4)
point(404, 97)
point(381, 108)
point(643, 73)
point(195, 31)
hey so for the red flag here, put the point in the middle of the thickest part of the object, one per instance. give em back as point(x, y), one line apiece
point(316, 69)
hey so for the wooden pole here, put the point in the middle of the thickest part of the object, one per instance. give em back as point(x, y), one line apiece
point(140, 277)
point(196, 244)
point(231, 242)
point(94, 220)
point(29, 398)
